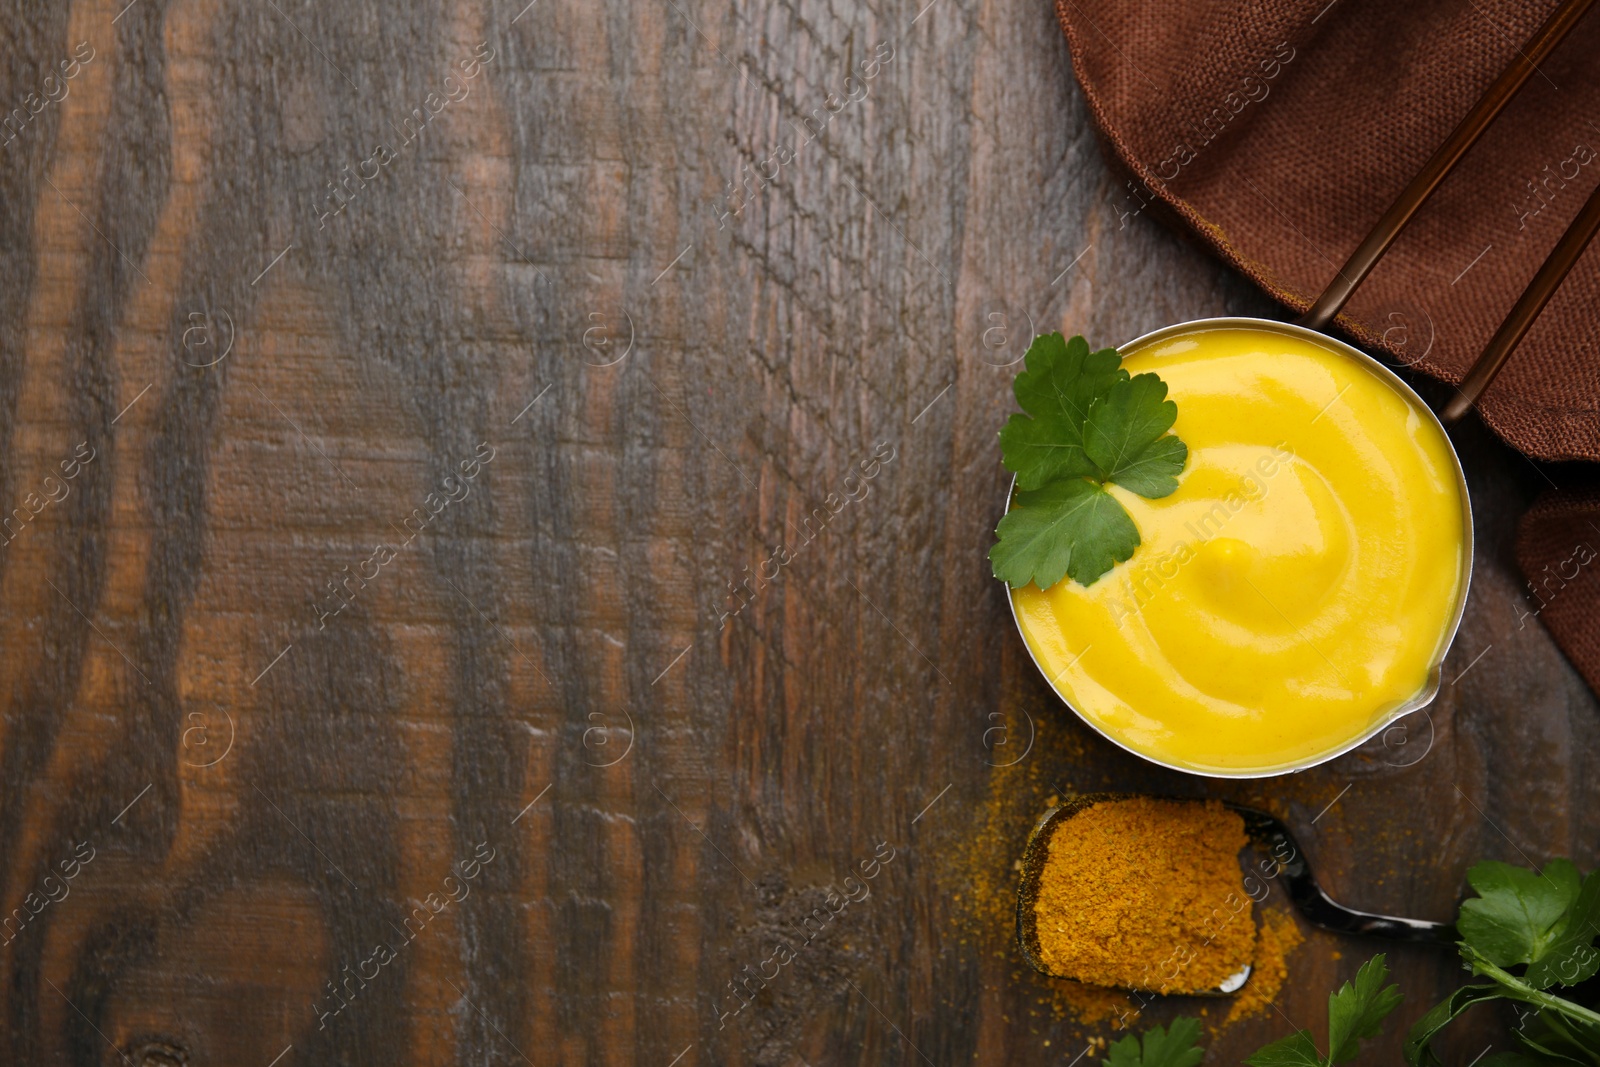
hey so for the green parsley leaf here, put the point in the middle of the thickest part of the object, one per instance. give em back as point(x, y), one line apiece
point(1357, 1010)
point(1039, 451)
point(1518, 915)
point(1547, 1038)
point(1162, 1047)
point(1296, 1050)
point(1572, 958)
point(1069, 527)
point(1125, 1053)
point(1419, 1042)
point(1124, 437)
point(1547, 919)
point(1086, 424)
point(1061, 382)
point(1062, 378)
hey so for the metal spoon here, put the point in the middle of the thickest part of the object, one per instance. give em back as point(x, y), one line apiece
point(1287, 862)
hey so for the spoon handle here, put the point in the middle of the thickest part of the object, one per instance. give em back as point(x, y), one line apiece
point(1329, 914)
point(1289, 863)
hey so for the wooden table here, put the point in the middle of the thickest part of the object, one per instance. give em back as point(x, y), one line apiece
point(432, 378)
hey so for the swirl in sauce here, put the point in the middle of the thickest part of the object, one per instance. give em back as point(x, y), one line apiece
point(1298, 587)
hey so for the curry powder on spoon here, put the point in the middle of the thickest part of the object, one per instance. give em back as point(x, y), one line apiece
point(1146, 894)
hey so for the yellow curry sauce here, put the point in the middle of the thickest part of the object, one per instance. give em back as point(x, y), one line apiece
point(1298, 586)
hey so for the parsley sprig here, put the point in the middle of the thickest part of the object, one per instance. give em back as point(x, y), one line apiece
point(1088, 424)
point(1355, 1012)
point(1162, 1047)
point(1526, 931)
point(1542, 923)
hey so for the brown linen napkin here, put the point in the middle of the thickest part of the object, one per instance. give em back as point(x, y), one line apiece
point(1279, 131)
point(1558, 548)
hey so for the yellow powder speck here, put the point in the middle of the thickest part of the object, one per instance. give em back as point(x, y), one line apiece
point(1091, 1004)
point(984, 873)
point(1279, 936)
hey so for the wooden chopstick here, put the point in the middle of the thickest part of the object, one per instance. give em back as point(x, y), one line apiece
point(1433, 172)
point(1532, 301)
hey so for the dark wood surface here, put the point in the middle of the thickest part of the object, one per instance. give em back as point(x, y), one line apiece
point(254, 391)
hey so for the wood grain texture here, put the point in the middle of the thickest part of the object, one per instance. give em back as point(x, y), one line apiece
point(431, 440)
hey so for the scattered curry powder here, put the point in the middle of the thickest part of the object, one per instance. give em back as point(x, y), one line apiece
point(981, 881)
point(1089, 1004)
point(1146, 894)
point(1279, 936)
